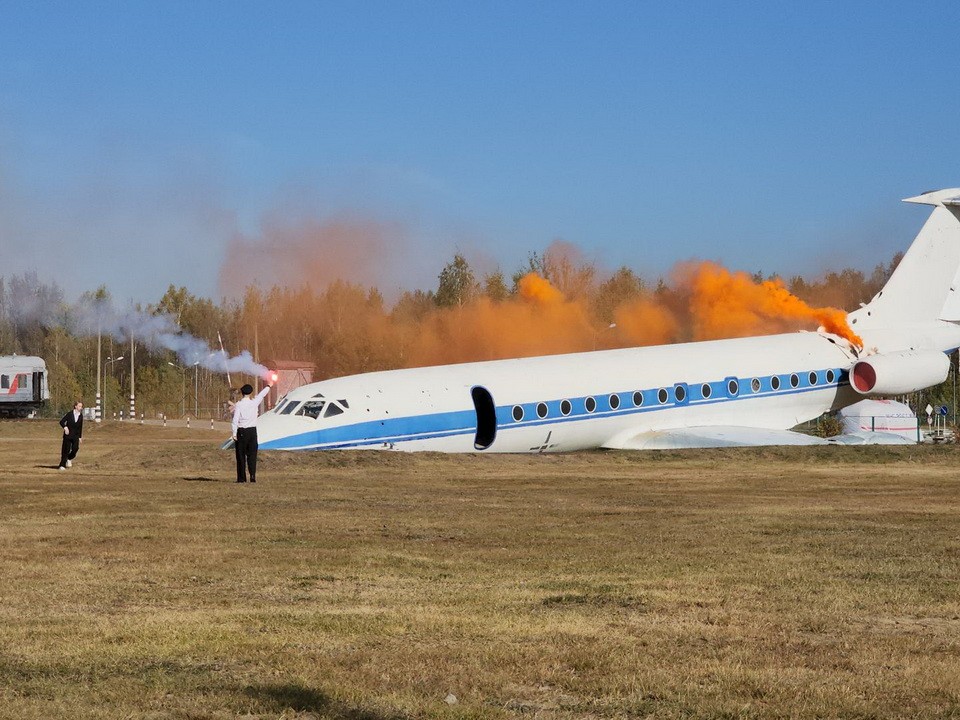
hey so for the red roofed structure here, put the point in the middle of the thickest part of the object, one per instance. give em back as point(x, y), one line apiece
point(290, 374)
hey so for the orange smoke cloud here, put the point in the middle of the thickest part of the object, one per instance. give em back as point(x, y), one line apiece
point(645, 322)
point(311, 252)
point(346, 327)
point(731, 304)
point(538, 321)
point(535, 288)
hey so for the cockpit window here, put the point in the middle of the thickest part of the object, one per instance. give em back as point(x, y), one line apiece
point(312, 408)
point(332, 410)
point(291, 406)
point(344, 403)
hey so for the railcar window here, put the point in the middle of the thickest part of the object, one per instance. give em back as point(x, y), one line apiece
point(311, 408)
point(4, 381)
point(333, 410)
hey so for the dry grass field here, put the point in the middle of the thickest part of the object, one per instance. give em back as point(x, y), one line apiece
point(793, 582)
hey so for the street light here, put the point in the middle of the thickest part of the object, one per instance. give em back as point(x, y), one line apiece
point(106, 366)
point(183, 387)
point(597, 333)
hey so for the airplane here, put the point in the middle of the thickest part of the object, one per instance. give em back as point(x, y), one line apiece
point(736, 392)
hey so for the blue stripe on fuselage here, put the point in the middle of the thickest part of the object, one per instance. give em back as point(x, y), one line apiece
point(463, 422)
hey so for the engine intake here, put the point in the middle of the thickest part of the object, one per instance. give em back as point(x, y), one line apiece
point(900, 372)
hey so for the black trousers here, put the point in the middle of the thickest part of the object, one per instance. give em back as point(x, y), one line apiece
point(246, 450)
point(69, 449)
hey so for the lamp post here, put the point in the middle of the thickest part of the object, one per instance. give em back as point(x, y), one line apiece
point(183, 387)
point(597, 333)
point(133, 404)
point(196, 389)
point(98, 413)
point(106, 367)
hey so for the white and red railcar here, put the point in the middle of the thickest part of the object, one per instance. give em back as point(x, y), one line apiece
point(23, 385)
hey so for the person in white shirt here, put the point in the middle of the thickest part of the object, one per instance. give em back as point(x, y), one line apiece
point(245, 431)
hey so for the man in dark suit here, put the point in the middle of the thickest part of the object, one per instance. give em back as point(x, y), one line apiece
point(72, 424)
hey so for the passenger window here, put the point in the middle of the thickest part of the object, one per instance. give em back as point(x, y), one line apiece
point(312, 408)
point(333, 410)
point(4, 381)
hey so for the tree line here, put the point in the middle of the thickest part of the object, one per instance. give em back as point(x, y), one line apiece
point(346, 327)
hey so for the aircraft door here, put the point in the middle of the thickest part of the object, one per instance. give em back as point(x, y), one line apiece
point(486, 417)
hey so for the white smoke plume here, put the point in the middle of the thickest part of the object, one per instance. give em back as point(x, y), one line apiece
point(157, 332)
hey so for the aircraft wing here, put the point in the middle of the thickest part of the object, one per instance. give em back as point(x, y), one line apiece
point(870, 437)
point(709, 437)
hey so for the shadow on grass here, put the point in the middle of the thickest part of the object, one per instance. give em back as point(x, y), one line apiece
point(293, 696)
point(200, 478)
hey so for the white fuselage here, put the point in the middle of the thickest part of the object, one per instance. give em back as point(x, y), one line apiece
point(571, 402)
point(719, 390)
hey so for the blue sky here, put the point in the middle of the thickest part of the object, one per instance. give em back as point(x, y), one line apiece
point(137, 138)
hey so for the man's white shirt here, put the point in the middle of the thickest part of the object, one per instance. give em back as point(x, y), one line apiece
point(246, 410)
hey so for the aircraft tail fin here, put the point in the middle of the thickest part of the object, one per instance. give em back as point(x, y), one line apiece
point(925, 286)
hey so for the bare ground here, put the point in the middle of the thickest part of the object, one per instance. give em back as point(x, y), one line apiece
point(789, 582)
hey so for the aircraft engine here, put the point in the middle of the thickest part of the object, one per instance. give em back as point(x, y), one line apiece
point(900, 372)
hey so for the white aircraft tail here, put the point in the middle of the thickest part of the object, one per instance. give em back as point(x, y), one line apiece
point(925, 286)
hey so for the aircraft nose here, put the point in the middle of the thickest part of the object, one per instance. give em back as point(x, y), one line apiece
point(266, 430)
